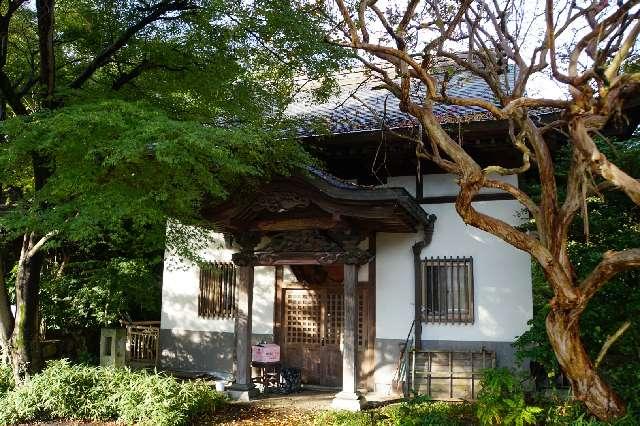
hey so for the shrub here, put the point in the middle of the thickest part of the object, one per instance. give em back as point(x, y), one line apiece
point(6, 378)
point(346, 418)
point(501, 400)
point(79, 392)
point(561, 411)
point(421, 410)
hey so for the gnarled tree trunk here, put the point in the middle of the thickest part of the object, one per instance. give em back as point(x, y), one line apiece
point(563, 329)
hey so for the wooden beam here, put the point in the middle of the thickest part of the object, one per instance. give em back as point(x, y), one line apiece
point(452, 198)
point(296, 224)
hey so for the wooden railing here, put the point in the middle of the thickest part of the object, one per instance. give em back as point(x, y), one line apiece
point(143, 339)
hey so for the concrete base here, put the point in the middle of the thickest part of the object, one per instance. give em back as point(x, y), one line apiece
point(242, 393)
point(348, 401)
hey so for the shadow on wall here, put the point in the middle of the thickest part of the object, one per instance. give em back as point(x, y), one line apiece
point(201, 351)
point(180, 302)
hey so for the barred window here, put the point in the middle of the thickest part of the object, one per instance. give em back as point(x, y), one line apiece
point(447, 290)
point(217, 297)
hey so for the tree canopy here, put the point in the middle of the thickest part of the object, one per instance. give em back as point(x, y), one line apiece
point(118, 115)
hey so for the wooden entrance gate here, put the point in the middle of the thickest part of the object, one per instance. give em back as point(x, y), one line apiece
point(312, 331)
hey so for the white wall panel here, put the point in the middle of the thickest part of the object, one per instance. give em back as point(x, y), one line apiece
point(502, 274)
point(180, 287)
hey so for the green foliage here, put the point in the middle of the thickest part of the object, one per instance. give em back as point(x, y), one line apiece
point(6, 378)
point(93, 294)
point(614, 225)
point(121, 169)
point(418, 411)
point(346, 418)
point(421, 410)
point(561, 411)
point(221, 60)
point(66, 391)
point(501, 400)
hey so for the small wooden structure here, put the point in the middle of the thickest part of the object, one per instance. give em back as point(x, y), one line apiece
point(449, 375)
point(136, 344)
point(142, 343)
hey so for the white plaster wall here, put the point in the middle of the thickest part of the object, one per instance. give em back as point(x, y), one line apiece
point(502, 278)
point(445, 184)
point(435, 185)
point(406, 182)
point(180, 287)
point(502, 274)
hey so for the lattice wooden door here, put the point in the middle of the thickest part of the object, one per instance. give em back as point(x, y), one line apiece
point(313, 326)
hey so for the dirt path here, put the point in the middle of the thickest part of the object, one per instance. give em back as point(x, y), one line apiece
point(294, 410)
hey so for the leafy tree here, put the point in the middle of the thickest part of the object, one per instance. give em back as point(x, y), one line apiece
point(93, 294)
point(121, 114)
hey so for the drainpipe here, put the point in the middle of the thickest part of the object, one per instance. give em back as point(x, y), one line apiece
point(417, 267)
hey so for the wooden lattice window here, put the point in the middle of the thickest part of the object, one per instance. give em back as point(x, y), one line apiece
point(217, 297)
point(447, 290)
point(335, 319)
point(317, 317)
point(303, 317)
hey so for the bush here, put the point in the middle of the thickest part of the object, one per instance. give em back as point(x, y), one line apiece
point(6, 378)
point(421, 410)
point(501, 400)
point(346, 418)
point(79, 392)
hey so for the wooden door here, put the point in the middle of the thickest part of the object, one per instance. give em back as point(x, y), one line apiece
point(312, 332)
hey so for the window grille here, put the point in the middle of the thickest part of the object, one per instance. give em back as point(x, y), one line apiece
point(447, 290)
point(217, 297)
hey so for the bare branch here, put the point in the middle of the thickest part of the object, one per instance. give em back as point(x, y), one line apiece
point(533, 103)
point(612, 263)
point(156, 12)
point(41, 242)
point(610, 341)
point(519, 195)
point(599, 162)
point(346, 16)
point(623, 51)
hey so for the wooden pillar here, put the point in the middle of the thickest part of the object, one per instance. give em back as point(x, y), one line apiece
point(348, 398)
point(350, 335)
point(243, 388)
point(244, 300)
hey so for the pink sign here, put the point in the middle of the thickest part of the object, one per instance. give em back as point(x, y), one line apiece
point(267, 352)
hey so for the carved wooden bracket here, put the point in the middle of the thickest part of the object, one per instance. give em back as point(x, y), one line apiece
point(245, 258)
point(247, 240)
point(278, 202)
point(305, 247)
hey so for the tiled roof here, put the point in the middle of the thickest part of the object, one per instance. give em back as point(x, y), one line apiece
point(347, 191)
point(360, 105)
